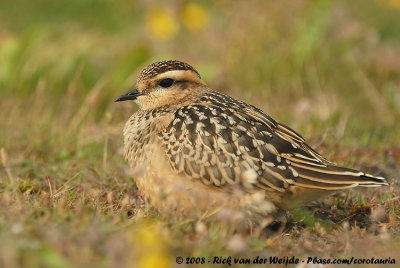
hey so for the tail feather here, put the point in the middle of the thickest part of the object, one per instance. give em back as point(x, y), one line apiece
point(334, 177)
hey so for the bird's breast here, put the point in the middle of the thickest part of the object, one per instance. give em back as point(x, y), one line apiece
point(140, 132)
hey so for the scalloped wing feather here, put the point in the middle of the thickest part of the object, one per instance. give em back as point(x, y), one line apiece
point(222, 141)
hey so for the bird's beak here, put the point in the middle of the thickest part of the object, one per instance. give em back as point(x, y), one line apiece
point(131, 95)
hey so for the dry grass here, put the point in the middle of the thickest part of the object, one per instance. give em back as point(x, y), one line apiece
point(328, 69)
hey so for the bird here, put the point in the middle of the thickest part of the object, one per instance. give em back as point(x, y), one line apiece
point(197, 151)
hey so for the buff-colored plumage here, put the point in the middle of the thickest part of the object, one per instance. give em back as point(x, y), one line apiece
point(200, 150)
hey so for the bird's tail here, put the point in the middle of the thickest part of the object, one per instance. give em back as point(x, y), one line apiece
point(330, 177)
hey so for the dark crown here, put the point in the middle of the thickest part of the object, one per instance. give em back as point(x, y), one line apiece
point(164, 66)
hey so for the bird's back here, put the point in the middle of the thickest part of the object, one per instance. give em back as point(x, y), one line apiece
point(222, 141)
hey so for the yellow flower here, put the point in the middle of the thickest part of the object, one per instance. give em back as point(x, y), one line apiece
point(194, 16)
point(161, 23)
point(154, 260)
point(150, 246)
point(392, 3)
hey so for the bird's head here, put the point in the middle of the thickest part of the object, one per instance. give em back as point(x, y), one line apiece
point(162, 83)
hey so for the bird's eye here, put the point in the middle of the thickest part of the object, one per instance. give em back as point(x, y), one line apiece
point(166, 82)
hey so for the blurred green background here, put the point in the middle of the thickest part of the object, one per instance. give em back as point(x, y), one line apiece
point(329, 69)
point(329, 62)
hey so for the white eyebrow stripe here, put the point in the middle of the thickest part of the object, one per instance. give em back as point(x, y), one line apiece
point(180, 75)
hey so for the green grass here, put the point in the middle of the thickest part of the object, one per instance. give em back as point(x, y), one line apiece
point(328, 69)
